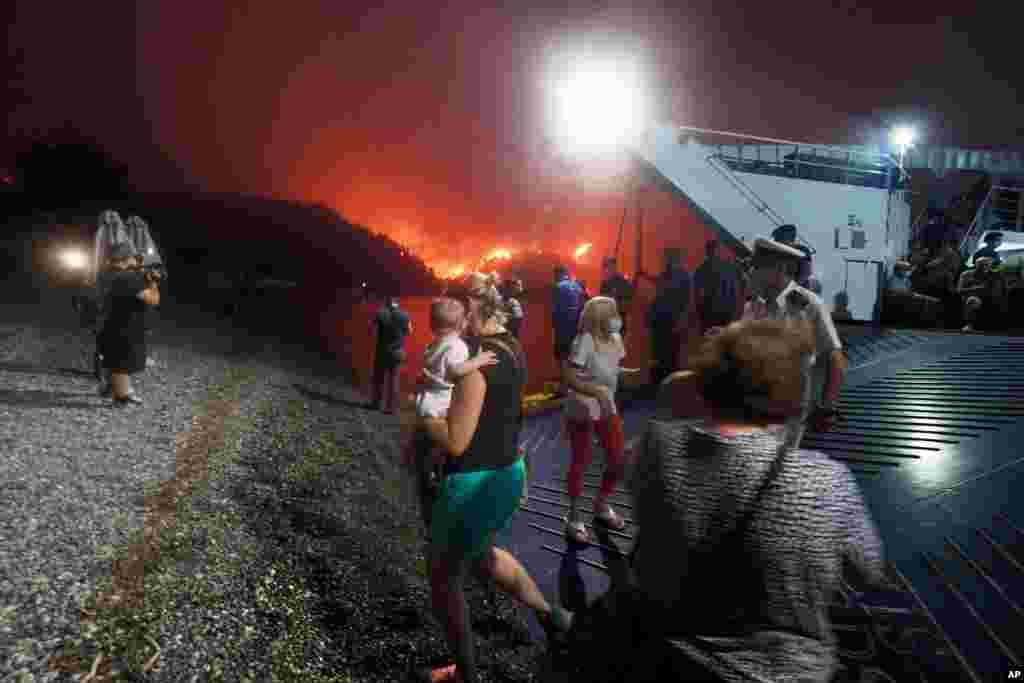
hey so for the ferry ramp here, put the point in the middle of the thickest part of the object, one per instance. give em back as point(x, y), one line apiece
point(933, 431)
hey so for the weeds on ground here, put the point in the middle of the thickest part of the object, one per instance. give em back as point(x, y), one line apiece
point(126, 630)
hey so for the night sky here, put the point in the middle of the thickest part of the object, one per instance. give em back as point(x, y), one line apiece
point(425, 121)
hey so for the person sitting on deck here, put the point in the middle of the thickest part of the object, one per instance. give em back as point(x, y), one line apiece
point(983, 292)
point(759, 534)
point(993, 241)
point(902, 305)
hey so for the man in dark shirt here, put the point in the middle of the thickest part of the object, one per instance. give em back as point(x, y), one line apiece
point(615, 285)
point(668, 315)
point(392, 326)
point(717, 286)
point(993, 241)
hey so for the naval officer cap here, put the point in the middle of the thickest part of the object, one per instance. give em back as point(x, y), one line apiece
point(766, 247)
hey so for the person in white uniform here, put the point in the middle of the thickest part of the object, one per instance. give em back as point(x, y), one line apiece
point(777, 296)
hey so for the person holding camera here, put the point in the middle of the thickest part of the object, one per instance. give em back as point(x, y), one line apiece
point(122, 341)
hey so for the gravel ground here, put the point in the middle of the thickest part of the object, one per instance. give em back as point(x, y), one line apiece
point(74, 477)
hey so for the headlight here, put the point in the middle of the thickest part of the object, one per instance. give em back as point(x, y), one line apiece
point(74, 259)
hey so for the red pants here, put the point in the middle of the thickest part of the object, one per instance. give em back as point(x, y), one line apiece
point(609, 433)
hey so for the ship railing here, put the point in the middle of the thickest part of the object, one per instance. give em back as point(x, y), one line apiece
point(808, 161)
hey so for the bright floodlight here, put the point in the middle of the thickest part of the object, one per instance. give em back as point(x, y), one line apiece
point(600, 103)
point(74, 259)
point(903, 137)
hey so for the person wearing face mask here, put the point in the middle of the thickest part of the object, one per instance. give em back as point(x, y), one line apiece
point(592, 375)
point(778, 297)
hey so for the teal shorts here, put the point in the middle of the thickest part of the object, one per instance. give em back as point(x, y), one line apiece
point(473, 505)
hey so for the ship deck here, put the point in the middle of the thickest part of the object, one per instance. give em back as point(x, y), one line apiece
point(933, 427)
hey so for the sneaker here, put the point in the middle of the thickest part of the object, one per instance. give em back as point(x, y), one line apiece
point(967, 328)
point(129, 399)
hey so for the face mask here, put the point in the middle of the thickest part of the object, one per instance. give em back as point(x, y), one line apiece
point(615, 325)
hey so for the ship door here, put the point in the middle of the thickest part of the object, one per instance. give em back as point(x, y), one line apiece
point(862, 284)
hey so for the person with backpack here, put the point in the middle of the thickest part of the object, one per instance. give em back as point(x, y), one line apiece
point(568, 298)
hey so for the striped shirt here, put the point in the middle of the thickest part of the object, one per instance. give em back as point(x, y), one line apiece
point(690, 485)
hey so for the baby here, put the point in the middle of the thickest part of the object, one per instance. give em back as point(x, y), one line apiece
point(445, 360)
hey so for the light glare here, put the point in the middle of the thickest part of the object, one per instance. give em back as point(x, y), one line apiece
point(903, 137)
point(74, 259)
point(600, 104)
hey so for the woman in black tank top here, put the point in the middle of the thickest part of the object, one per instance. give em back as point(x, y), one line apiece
point(483, 486)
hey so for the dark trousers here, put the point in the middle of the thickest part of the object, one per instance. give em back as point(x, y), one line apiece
point(665, 343)
point(386, 385)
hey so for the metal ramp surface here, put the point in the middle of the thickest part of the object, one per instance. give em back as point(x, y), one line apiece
point(934, 433)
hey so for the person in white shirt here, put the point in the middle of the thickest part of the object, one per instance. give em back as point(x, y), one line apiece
point(777, 296)
point(592, 375)
point(445, 360)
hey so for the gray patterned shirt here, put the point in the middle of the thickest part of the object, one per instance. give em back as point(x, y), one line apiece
point(692, 482)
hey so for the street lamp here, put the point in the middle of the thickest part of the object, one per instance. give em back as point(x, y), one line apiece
point(903, 137)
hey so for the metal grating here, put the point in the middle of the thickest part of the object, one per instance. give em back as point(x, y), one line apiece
point(926, 411)
point(888, 633)
point(863, 345)
point(982, 575)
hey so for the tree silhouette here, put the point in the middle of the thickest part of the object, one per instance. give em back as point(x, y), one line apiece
point(67, 168)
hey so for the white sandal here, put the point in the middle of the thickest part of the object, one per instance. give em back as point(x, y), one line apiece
point(576, 532)
point(609, 518)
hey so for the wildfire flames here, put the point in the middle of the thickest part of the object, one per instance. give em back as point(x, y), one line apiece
point(450, 270)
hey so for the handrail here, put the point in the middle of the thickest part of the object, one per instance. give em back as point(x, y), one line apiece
point(915, 227)
point(748, 192)
point(777, 141)
point(974, 231)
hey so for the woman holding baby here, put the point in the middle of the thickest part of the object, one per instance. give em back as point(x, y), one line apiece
point(483, 482)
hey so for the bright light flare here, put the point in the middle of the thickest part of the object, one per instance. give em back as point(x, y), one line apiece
point(581, 251)
point(75, 259)
point(903, 137)
point(600, 103)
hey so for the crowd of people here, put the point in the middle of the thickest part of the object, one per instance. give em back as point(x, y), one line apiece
point(730, 490)
point(935, 286)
